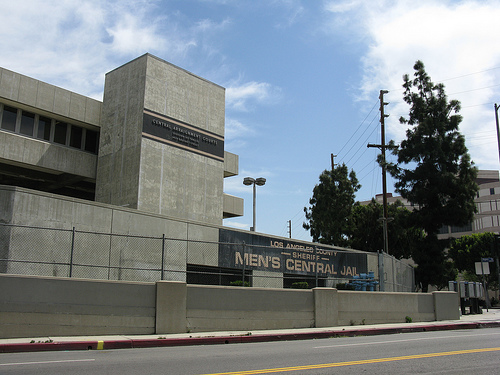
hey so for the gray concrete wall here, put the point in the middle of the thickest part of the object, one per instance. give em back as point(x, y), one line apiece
point(47, 157)
point(38, 306)
point(120, 138)
point(33, 208)
point(47, 306)
point(380, 307)
point(54, 100)
point(230, 308)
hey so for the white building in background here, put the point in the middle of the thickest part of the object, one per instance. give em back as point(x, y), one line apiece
point(487, 218)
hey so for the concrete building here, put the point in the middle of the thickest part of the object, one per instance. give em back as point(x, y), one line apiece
point(155, 143)
point(487, 218)
point(131, 188)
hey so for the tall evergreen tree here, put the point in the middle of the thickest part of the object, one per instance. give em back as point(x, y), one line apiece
point(365, 229)
point(433, 170)
point(331, 206)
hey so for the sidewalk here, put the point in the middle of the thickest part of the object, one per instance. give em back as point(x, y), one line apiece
point(488, 319)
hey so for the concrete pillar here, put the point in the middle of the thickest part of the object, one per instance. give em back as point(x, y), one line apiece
point(446, 305)
point(171, 297)
point(326, 308)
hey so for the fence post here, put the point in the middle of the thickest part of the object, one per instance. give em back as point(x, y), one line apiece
point(72, 251)
point(316, 267)
point(244, 249)
point(163, 257)
point(381, 274)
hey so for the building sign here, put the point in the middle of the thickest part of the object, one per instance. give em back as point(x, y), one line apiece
point(256, 252)
point(178, 134)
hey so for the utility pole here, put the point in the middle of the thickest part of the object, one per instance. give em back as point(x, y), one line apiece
point(333, 164)
point(383, 147)
point(498, 128)
point(289, 228)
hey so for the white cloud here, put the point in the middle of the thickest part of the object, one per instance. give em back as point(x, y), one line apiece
point(74, 43)
point(241, 96)
point(236, 129)
point(293, 11)
point(455, 40)
point(131, 36)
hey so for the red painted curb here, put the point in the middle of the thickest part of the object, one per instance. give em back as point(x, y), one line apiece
point(47, 346)
point(219, 340)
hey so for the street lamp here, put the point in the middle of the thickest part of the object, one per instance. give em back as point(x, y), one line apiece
point(252, 181)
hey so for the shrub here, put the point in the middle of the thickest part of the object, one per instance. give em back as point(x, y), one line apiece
point(300, 285)
point(239, 283)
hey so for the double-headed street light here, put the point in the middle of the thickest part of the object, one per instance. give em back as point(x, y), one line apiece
point(254, 181)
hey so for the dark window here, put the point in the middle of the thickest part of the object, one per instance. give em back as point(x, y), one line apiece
point(60, 132)
point(208, 275)
point(44, 128)
point(444, 229)
point(75, 138)
point(492, 191)
point(465, 228)
point(91, 141)
point(27, 123)
point(9, 118)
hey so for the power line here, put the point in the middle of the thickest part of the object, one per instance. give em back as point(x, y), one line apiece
point(361, 124)
point(362, 144)
point(359, 147)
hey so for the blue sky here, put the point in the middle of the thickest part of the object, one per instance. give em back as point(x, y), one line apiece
point(302, 77)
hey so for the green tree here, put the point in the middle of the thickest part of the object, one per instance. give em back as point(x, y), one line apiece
point(433, 170)
point(467, 250)
point(331, 206)
point(366, 229)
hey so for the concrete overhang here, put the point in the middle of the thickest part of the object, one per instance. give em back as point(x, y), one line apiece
point(232, 206)
point(231, 164)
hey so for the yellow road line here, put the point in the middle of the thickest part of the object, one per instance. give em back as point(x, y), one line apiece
point(352, 363)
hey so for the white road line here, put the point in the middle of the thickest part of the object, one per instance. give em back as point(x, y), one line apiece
point(45, 362)
point(397, 341)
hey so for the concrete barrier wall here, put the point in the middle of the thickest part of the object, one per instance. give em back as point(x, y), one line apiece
point(34, 306)
point(211, 308)
point(374, 308)
point(48, 306)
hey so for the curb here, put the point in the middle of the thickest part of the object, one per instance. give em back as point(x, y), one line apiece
point(220, 340)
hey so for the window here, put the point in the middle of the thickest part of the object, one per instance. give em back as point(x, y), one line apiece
point(75, 138)
point(465, 228)
point(492, 191)
point(60, 132)
point(91, 141)
point(48, 129)
point(27, 123)
point(9, 118)
point(44, 128)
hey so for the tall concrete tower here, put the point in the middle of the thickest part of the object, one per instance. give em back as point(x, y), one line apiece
point(162, 141)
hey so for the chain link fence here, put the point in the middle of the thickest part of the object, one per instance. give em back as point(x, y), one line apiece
point(60, 252)
point(397, 275)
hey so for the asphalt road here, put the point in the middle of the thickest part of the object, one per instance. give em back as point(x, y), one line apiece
point(443, 352)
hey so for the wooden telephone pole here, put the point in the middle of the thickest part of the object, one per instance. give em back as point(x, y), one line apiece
point(333, 164)
point(383, 147)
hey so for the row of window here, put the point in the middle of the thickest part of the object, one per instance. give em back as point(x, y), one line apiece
point(37, 126)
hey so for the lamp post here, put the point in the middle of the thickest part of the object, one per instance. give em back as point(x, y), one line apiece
point(254, 181)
